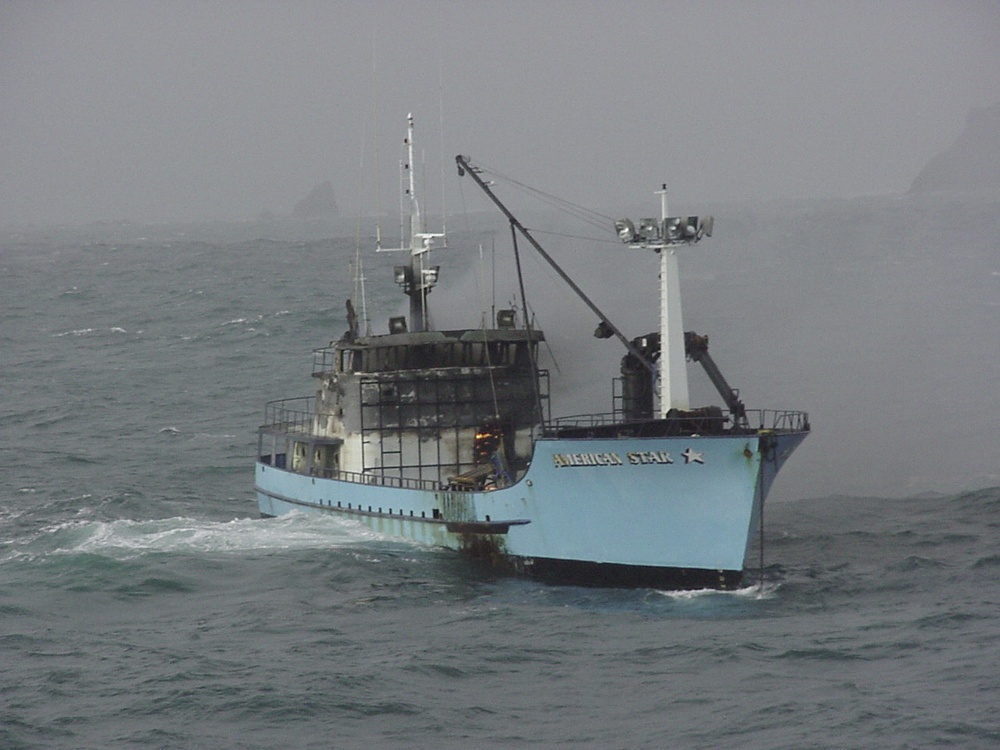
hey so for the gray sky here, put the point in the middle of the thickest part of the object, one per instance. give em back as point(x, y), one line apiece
point(193, 110)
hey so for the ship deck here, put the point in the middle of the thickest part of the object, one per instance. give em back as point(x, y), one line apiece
point(293, 419)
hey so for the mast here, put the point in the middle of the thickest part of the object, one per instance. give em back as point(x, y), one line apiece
point(419, 277)
point(673, 369)
point(664, 236)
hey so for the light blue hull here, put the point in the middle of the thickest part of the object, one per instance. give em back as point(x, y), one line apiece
point(585, 506)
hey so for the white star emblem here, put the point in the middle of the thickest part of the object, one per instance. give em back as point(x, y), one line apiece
point(693, 457)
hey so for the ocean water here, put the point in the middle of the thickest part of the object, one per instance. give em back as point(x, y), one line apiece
point(144, 605)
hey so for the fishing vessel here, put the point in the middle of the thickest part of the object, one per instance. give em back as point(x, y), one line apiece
point(446, 437)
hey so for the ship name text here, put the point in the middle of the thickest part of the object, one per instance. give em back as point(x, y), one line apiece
point(586, 459)
point(632, 458)
point(650, 457)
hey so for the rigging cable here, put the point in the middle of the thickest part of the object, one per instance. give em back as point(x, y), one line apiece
point(587, 215)
point(441, 159)
point(486, 344)
point(527, 326)
point(358, 269)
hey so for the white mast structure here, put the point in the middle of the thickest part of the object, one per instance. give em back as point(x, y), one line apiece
point(418, 278)
point(664, 236)
point(673, 361)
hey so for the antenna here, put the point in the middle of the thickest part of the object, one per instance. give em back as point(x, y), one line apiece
point(444, 213)
point(419, 277)
point(402, 203)
point(378, 190)
point(358, 268)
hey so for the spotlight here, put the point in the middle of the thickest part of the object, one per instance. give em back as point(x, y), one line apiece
point(402, 274)
point(505, 319)
point(649, 230)
point(625, 229)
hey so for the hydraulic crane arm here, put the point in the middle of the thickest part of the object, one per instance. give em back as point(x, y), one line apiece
point(696, 348)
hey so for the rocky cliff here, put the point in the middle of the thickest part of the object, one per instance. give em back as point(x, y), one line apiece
point(972, 164)
point(320, 203)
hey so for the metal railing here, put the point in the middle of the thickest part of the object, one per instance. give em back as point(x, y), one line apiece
point(290, 415)
point(295, 416)
point(576, 421)
point(756, 419)
point(324, 361)
point(778, 420)
point(379, 480)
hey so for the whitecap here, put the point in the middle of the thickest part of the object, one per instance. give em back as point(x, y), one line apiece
point(124, 539)
point(767, 591)
point(77, 332)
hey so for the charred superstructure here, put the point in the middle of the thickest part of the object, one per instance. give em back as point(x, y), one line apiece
point(427, 409)
point(445, 437)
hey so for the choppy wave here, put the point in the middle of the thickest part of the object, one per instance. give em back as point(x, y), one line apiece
point(113, 330)
point(125, 539)
point(142, 606)
point(769, 590)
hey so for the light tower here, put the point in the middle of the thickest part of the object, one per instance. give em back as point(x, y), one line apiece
point(664, 236)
